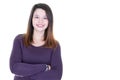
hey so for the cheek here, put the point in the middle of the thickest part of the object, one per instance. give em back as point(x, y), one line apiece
point(33, 22)
point(46, 22)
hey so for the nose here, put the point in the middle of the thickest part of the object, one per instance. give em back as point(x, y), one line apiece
point(40, 20)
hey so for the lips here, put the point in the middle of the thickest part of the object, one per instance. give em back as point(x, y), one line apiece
point(39, 25)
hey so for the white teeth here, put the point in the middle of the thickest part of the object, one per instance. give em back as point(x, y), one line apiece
point(40, 25)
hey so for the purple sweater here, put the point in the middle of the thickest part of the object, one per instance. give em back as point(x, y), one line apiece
point(29, 63)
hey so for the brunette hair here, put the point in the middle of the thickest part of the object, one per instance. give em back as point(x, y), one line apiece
point(48, 35)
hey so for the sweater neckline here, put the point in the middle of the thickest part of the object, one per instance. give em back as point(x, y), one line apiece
point(42, 46)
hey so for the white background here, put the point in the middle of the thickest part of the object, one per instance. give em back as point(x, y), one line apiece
point(88, 31)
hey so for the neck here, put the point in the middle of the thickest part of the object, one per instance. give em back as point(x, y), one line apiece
point(38, 36)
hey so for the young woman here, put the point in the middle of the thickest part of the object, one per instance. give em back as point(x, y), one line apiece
point(36, 55)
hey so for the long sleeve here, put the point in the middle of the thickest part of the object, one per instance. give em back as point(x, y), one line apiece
point(56, 68)
point(17, 66)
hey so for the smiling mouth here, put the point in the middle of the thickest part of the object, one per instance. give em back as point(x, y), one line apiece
point(39, 25)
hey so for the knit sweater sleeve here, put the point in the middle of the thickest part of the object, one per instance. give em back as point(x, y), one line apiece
point(56, 68)
point(19, 68)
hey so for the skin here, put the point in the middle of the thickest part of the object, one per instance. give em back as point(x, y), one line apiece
point(40, 20)
point(40, 24)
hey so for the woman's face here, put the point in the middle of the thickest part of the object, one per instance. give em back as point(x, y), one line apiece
point(39, 20)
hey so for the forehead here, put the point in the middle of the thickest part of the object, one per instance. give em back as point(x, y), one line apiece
point(39, 11)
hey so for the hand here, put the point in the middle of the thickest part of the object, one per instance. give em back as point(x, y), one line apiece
point(49, 67)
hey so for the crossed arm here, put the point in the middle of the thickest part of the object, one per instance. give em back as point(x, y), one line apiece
point(35, 71)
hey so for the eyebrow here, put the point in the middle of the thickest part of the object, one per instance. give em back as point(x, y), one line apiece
point(38, 15)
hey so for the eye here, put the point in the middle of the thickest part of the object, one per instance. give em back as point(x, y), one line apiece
point(36, 17)
point(45, 18)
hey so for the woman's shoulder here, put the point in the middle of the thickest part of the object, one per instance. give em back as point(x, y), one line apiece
point(19, 37)
point(57, 44)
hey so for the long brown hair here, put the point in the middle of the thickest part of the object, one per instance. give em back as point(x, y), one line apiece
point(48, 35)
